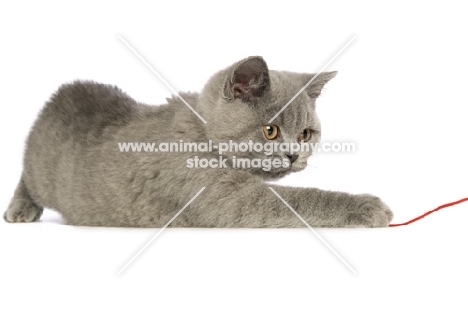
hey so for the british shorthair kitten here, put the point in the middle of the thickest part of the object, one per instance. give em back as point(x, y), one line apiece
point(73, 163)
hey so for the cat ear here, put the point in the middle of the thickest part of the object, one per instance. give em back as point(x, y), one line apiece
point(315, 88)
point(248, 81)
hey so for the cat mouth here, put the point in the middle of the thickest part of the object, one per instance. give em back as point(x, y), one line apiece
point(297, 166)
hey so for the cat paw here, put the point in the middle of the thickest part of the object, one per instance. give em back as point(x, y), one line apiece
point(22, 211)
point(368, 211)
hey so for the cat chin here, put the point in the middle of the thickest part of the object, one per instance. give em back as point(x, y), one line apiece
point(278, 174)
point(272, 175)
point(297, 169)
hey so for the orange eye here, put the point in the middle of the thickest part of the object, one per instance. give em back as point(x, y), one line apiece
point(270, 131)
point(305, 135)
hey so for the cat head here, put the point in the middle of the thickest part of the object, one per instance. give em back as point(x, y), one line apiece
point(240, 103)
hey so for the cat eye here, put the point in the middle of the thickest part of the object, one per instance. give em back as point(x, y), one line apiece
point(270, 131)
point(305, 135)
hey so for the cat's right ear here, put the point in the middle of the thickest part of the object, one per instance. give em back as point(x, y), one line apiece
point(248, 80)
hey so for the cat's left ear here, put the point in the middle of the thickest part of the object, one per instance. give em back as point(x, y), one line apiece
point(248, 80)
point(315, 88)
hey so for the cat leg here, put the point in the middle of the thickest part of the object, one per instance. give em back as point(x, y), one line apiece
point(252, 205)
point(321, 208)
point(22, 209)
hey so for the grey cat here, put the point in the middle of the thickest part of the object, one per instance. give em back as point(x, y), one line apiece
point(73, 164)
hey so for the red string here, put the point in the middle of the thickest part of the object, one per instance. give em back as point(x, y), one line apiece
point(427, 213)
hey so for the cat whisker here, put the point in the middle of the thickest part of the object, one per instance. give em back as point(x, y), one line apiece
point(312, 166)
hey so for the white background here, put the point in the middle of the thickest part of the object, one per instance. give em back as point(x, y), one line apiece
point(400, 95)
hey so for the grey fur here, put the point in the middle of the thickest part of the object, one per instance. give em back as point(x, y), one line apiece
point(72, 163)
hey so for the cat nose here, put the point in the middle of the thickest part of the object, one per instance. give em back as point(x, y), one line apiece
point(292, 157)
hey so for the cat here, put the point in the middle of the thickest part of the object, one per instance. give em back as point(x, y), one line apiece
point(72, 162)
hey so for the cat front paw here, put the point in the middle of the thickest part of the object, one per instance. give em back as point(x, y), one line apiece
point(368, 211)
